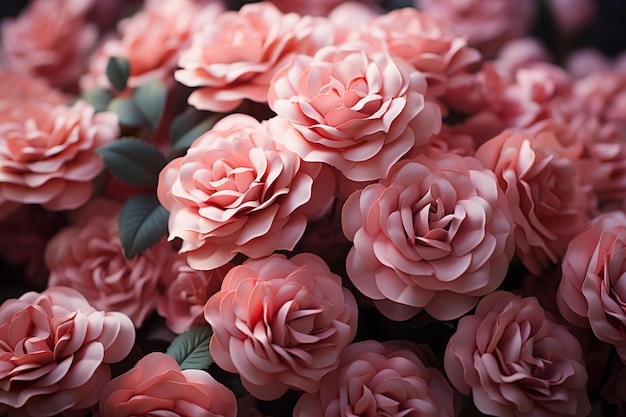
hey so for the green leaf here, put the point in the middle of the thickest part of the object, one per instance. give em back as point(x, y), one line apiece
point(143, 222)
point(191, 349)
point(98, 98)
point(133, 161)
point(184, 142)
point(185, 121)
point(150, 98)
point(128, 112)
point(118, 70)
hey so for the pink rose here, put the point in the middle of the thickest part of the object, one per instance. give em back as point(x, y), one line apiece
point(235, 57)
point(591, 293)
point(88, 256)
point(315, 7)
point(55, 351)
point(48, 153)
point(238, 191)
point(573, 15)
point(392, 379)
point(357, 111)
point(187, 291)
point(157, 386)
point(281, 323)
point(15, 87)
point(543, 189)
point(436, 234)
point(514, 361)
point(50, 39)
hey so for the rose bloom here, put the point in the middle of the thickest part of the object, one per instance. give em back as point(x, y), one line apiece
point(357, 111)
point(238, 191)
point(49, 39)
point(55, 351)
point(515, 361)
point(187, 291)
point(48, 153)
point(281, 323)
point(543, 189)
point(591, 293)
point(88, 256)
point(392, 379)
point(157, 386)
point(488, 24)
point(15, 88)
point(235, 57)
point(436, 234)
point(316, 7)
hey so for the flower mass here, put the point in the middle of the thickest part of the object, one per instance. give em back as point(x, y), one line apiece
point(312, 208)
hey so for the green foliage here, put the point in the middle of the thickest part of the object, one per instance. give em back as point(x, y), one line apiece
point(128, 112)
point(150, 98)
point(118, 71)
point(143, 222)
point(191, 349)
point(98, 98)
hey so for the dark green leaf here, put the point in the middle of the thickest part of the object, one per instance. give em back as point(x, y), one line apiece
point(128, 112)
point(180, 146)
point(143, 222)
point(133, 161)
point(118, 70)
point(185, 121)
point(98, 98)
point(191, 349)
point(150, 98)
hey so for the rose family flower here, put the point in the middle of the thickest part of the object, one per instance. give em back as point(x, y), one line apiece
point(235, 57)
point(436, 234)
point(157, 386)
point(89, 257)
point(357, 111)
point(515, 361)
point(238, 191)
point(281, 323)
point(55, 351)
point(591, 289)
point(47, 153)
point(392, 378)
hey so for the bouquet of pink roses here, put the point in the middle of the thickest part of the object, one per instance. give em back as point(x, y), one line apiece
point(311, 208)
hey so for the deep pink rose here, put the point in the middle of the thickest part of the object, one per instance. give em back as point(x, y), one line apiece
point(436, 234)
point(514, 361)
point(315, 7)
point(392, 378)
point(187, 291)
point(50, 39)
point(357, 111)
point(55, 351)
point(235, 57)
point(543, 189)
point(591, 292)
point(88, 256)
point(156, 386)
point(573, 15)
point(47, 153)
point(238, 191)
point(281, 323)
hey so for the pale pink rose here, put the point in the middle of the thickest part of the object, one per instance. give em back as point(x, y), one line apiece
point(315, 7)
point(55, 351)
point(88, 256)
point(48, 153)
point(49, 39)
point(392, 378)
point(15, 87)
point(281, 323)
point(151, 41)
point(605, 95)
point(591, 289)
point(514, 361)
point(586, 61)
point(488, 24)
point(235, 57)
point(157, 386)
point(572, 16)
point(436, 234)
point(238, 191)
point(522, 52)
point(543, 189)
point(187, 291)
point(357, 111)
point(348, 16)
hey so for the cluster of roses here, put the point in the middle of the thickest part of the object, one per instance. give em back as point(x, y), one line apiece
point(362, 161)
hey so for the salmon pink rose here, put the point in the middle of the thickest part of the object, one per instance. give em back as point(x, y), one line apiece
point(238, 191)
point(392, 378)
point(55, 351)
point(281, 323)
point(156, 386)
point(591, 292)
point(436, 234)
point(516, 362)
point(357, 111)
